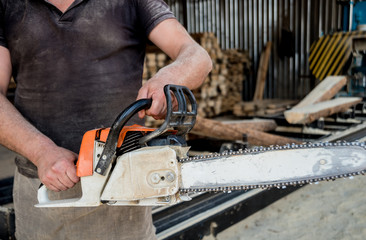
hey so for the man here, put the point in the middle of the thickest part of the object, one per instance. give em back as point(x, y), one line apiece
point(77, 64)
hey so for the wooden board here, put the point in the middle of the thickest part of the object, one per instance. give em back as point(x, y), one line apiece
point(325, 90)
point(310, 113)
point(262, 72)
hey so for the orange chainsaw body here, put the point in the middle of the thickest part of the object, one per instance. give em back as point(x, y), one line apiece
point(85, 161)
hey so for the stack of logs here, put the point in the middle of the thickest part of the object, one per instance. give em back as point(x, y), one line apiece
point(222, 89)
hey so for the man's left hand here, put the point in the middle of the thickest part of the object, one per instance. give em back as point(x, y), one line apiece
point(154, 89)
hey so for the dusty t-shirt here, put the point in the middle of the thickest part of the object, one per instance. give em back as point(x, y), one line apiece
point(75, 71)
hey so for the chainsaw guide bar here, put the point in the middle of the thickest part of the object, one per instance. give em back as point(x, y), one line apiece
point(322, 160)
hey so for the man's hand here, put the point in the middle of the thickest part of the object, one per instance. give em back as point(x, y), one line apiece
point(56, 169)
point(154, 89)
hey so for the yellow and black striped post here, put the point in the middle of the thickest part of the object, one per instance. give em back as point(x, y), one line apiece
point(330, 53)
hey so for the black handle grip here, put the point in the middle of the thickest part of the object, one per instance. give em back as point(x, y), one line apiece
point(109, 150)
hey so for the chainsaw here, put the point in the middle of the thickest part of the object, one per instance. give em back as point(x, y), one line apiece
point(136, 165)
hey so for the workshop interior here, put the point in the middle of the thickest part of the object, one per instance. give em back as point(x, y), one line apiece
point(287, 76)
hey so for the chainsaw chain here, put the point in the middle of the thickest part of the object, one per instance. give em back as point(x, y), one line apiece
point(267, 149)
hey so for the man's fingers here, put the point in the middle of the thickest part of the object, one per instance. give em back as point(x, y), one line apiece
point(174, 102)
point(143, 93)
point(71, 174)
point(52, 187)
point(66, 181)
point(141, 114)
point(61, 185)
point(68, 178)
point(62, 177)
point(157, 109)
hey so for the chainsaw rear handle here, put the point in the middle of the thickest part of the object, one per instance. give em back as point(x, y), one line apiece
point(181, 120)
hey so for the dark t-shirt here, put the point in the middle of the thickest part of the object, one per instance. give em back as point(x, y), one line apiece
point(75, 71)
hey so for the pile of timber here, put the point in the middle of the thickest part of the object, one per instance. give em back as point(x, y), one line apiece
point(319, 103)
point(265, 107)
point(222, 89)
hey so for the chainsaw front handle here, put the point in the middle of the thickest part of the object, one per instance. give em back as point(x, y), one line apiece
point(110, 148)
point(182, 119)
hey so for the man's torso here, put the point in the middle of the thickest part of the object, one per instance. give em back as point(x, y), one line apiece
point(77, 70)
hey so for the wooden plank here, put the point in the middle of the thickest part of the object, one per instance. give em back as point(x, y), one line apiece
point(262, 72)
point(216, 129)
point(310, 113)
point(325, 90)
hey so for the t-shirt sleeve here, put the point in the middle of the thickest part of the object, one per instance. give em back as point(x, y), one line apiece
point(153, 12)
point(2, 24)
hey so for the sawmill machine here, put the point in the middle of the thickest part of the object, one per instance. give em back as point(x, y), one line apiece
point(344, 52)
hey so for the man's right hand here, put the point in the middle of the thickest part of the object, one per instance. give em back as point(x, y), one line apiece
point(56, 169)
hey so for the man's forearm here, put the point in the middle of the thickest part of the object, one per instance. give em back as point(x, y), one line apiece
point(191, 64)
point(190, 68)
point(18, 134)
point(15, 132)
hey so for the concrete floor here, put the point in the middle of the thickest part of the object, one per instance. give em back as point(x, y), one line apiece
point(327, 211)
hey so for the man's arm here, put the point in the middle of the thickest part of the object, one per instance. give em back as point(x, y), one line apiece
point(190, 67)
point(55, 165)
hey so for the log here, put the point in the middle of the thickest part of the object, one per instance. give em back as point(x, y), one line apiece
point(262, 72)
point(262, 107)
point(277, 103)
point(216, 129)
point(273, 111)
point(310, 113)
point(325, 90)
point(263, 125)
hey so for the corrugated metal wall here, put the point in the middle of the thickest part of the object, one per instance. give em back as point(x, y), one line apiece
point(249, 24)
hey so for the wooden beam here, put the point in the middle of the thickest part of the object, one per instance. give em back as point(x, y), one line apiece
point(310, 113)
point(262, 72)
point(325, 90)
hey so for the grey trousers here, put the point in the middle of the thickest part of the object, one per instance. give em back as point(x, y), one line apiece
point(104, 222)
